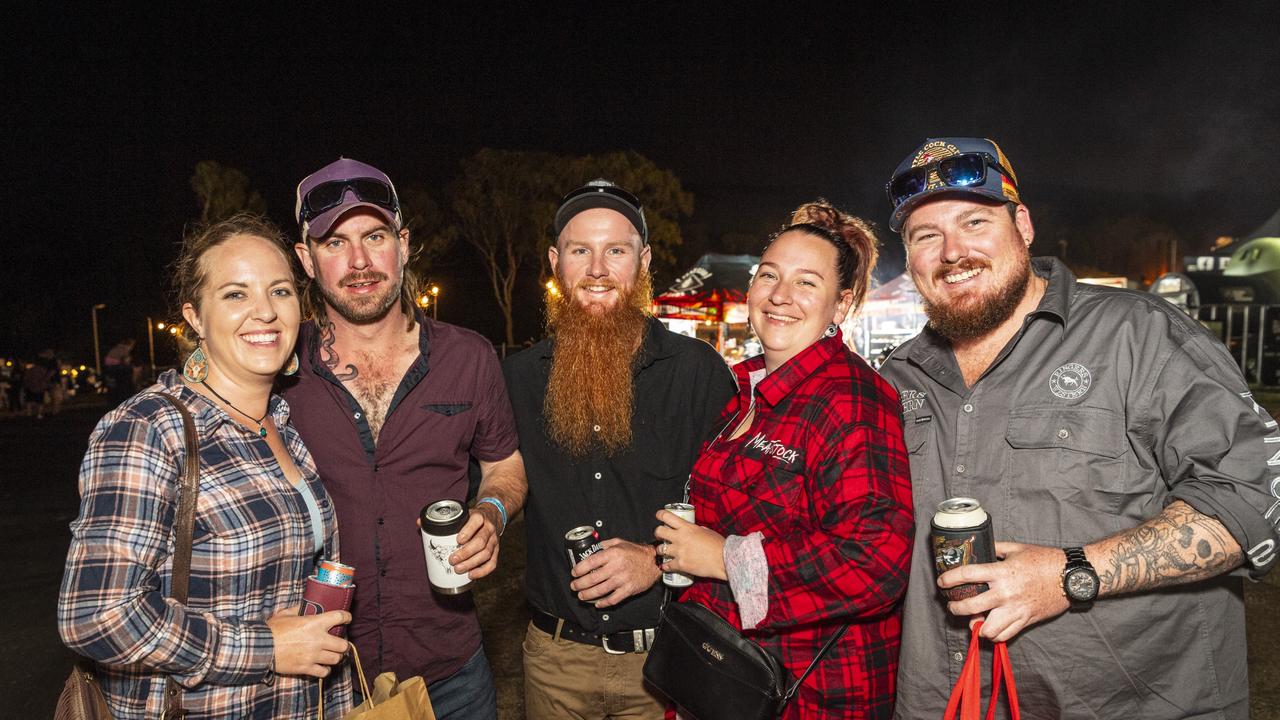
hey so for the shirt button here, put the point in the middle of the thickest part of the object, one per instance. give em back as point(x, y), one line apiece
point(958, 657)
point(605, 618)
point(960, 468)
point(968, 407)
point(596, 428)
point(381, 521)
point(597, 476)
point(383, 573)
point(599, 523)
point(1064, 433)
point(356, 416)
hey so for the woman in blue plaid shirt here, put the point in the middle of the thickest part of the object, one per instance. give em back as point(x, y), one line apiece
point(238, 646)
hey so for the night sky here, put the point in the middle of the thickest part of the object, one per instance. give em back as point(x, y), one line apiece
point(1170, 111)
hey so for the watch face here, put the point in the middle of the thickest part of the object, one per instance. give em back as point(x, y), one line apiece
point(1082, 585)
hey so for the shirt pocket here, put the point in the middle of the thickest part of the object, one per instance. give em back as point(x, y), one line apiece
point(252, 521)
point(447, 409)
point(758, 495)
point(664, 448)
point(1067, 473)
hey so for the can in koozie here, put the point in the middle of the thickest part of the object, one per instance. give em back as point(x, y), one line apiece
point(331, 572)
point(331, 588)
point(961, 535)
point(674, 579)
point(581, 543)
point(441, 522)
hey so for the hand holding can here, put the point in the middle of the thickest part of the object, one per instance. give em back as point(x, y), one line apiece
point(685, 512)
point(440, 522)
point(961, 535)
point(331, 588)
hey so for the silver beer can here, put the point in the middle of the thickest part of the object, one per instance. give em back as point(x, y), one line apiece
point(674, 579)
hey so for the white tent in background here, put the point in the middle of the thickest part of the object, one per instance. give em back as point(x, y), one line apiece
point(892, 314)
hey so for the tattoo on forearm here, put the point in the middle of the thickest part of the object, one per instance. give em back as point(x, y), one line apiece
point(329, 356)
point(1179, 546)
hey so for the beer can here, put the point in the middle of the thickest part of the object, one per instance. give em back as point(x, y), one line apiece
point(581, 543)
point(335, 573)
point(674, 579)
point(441, 521)
point(961, 535)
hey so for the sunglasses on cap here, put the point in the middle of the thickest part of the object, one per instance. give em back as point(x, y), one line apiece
point(328, 195)
point(958, 171)
point(613, 190)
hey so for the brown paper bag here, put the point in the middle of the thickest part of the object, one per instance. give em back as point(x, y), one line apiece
point(389, 699)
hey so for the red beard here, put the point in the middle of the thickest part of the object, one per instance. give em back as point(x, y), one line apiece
point(589, 399)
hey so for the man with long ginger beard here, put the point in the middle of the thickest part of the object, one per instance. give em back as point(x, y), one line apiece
point(611, 411)
point(1111, 440)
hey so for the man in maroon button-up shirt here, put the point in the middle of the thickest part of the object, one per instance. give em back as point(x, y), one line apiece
point(392, 405)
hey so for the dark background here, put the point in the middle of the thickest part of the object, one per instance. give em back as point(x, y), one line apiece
point(1123, 121)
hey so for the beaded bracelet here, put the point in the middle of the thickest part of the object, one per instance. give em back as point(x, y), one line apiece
point(502, 510)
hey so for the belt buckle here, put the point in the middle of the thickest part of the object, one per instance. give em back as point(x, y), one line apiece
point(641, 641)
point(604, 641)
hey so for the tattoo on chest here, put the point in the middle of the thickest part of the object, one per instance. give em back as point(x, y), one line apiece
point(329, 356)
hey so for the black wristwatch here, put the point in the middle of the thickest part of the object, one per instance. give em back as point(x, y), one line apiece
point(1079, 580)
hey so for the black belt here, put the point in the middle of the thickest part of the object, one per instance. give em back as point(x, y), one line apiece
point(617, 643)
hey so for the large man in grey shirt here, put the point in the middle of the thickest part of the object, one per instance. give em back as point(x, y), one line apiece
point(1127, 470)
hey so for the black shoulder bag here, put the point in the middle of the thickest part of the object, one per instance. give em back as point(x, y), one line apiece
point(707, 668)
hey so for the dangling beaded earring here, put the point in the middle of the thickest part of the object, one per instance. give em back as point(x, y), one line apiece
point(292, 367)
point(831, 330)
point(196, 368)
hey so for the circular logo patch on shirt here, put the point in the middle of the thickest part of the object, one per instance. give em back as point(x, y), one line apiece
point(1070, 381)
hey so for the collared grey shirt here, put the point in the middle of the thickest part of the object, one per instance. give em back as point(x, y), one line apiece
point(1105, 407)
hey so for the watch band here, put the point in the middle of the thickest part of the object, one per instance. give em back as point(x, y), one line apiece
point(1078, 563)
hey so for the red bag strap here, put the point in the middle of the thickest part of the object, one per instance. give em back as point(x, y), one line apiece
point(966, 696)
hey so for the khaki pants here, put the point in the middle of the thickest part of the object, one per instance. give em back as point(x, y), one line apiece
point(568, 680)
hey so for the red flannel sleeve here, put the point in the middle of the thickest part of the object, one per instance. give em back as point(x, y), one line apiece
point(851, 557)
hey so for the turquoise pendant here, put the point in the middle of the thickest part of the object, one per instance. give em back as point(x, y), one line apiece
point(262, 432)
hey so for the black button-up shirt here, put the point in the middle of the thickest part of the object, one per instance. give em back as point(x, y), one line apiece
point(681, 384)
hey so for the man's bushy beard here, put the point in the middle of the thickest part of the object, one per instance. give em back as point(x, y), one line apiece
point(589, 399)
point(361, 310)
point(973, 317)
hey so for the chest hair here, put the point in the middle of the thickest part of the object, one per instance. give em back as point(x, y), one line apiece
point(374, 380)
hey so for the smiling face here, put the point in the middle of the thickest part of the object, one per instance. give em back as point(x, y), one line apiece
point(795, 295)
point(247, 312)
point(359, 266)
point(969, 261)
point(598, 258)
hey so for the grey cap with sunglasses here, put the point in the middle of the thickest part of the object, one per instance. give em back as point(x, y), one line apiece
point(974, 166)
point(330, 192)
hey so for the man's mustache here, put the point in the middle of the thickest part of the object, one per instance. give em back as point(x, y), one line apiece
point(359, 277)
point(964, 265)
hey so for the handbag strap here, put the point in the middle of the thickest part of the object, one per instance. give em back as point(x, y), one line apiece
point(795, 686)
point(184, 528)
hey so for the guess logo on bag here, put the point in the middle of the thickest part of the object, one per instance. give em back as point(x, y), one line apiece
point(719, 656)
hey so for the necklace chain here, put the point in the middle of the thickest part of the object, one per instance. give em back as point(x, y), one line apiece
point(262, 430)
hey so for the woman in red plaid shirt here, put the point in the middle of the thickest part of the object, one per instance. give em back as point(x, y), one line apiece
point(804, 499)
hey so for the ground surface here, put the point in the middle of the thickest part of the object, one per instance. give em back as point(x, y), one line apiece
point(38, 465)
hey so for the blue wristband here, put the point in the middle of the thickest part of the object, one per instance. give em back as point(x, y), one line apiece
point(502, 510)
